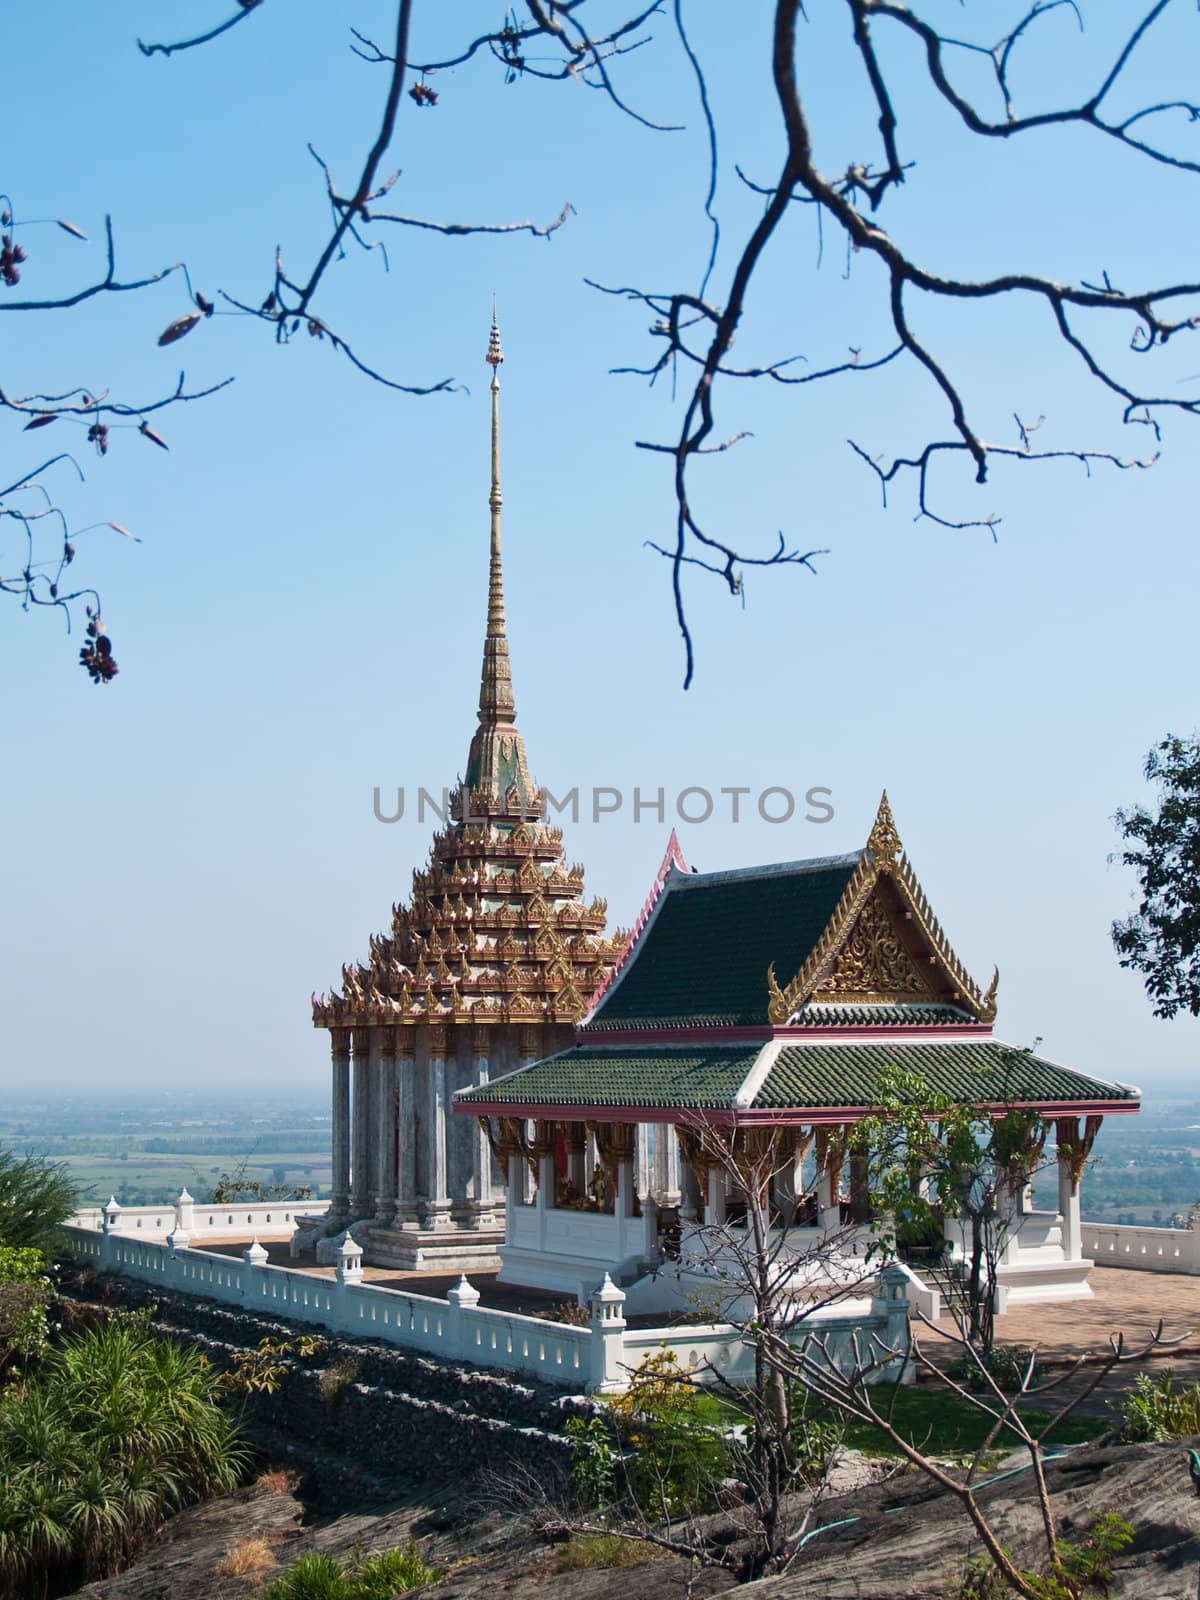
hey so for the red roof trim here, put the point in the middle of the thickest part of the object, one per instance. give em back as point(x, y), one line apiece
point(673, 857)
point(809, 1117)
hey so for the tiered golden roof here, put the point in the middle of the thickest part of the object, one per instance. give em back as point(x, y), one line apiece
point(497, 929)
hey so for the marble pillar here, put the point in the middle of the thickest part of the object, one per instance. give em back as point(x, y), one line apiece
point(360, 1152)
point(339, 1040)
point(385, 1128)
point(482, 1209)
point(406, 1133)
point(437, 1201)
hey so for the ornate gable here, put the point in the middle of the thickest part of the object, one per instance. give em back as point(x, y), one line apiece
point(882, 945)
point(874, 962)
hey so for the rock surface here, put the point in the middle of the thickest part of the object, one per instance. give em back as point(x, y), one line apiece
point(899, 1540)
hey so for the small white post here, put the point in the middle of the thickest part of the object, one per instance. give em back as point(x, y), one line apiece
point(608, 1339)
point(890, 1302)
point(255, 1258)
point(350, 1262)
point(464, 1297)
point(185, 1221)
point(111, 1222)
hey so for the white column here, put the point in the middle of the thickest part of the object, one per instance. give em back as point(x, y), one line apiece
point(385, 1129)
point(689, 1193)
point(483, 1205)
point(406, 1122)
point(829, 1212)
point(437, 1203)
point(360, 1159)
point(339, 1039)
point(1068, 1205)
point(715, 1211)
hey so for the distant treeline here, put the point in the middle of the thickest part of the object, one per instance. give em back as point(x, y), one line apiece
point(178, 1144)
point(268, 1145)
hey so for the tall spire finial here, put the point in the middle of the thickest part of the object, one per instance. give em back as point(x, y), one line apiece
point(497, 756)
point(495, 628)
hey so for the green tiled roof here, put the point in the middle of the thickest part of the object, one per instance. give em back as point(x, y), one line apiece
point(704, 956)
point(818, 1015)
point(966, 1070)
point(808, 1077)
point(699, 1077)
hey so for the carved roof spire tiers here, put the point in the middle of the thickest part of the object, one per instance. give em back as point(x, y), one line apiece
point(497, 932)
point(496, 760)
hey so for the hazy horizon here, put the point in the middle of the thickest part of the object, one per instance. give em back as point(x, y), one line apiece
point(193, 850)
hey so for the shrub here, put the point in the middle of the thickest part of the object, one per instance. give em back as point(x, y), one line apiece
point(1156, 1409)
point(118, 1430)
point(25, 1290)
point(263, 1369)
point(676, 1458)
point(379, 1576)
point(36, 1197)
point(335, 1379)
point(1007, 1364)
point(1079, 1569)
point(594, 1466)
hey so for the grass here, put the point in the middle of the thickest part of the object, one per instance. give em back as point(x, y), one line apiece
point(250, 1555)
point(937, 1421)
point(589, 1550)
point(944, 1424)
point(278, 1480)
point(378, 1576)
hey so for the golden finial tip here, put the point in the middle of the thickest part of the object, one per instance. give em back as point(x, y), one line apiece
point(495, 355)
point(884, 841)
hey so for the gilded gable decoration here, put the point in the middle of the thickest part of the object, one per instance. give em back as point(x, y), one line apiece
point(864, 956)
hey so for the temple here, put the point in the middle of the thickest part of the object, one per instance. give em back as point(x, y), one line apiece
point(489, 966)
point(748, 1022)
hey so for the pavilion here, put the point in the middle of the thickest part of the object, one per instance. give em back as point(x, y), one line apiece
point(489, 965)
point(753, 1010)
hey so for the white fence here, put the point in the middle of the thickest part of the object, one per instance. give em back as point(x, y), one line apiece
point(262, 1219)
point(597, 1357)
point(1143, 1249)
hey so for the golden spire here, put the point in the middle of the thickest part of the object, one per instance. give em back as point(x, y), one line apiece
point(497, 755)
point(495, 620)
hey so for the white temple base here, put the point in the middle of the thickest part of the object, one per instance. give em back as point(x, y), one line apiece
point(1026, 1283)
point(448, 1249)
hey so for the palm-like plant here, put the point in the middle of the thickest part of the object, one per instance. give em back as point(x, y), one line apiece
point(36, 1196)
point(121, 1428)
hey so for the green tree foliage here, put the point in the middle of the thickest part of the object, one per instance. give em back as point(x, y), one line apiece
point(118, 1429)
point(236, 1184)
point(25, 1290)
point(932, 1158)
point(36, 1197)
point(1161, 939)
point(677, 1455)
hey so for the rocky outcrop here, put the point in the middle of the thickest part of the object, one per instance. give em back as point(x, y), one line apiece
point(909, 1541)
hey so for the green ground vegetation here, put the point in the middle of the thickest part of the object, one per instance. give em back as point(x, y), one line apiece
point(377, 1576)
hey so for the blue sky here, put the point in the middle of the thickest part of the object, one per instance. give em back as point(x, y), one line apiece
point(193, 850)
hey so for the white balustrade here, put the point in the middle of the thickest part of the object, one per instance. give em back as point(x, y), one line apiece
point(599, 1356)
point(1142, 1249)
